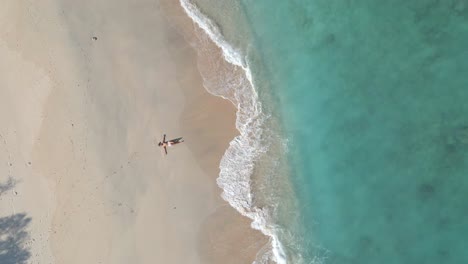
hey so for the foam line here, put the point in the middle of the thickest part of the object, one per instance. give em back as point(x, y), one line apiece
point(237, 164)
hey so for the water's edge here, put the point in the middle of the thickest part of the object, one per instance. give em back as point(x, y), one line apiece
point(237, 164)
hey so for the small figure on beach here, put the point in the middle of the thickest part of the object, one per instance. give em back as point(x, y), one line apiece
point(169, 143)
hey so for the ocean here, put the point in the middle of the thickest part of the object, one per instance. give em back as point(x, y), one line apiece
point(354, 126)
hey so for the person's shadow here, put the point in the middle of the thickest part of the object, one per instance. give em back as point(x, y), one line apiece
point(13, 235)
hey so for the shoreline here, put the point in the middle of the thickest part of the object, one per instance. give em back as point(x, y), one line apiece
point(249, 163)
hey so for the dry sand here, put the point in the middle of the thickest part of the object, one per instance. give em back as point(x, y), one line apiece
point(79, 122)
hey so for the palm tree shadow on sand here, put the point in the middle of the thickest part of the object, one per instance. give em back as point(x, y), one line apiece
point(13, 238)
point(9, 184)
point(13, 234)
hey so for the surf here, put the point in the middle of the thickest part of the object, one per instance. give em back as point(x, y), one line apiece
point(238, 163)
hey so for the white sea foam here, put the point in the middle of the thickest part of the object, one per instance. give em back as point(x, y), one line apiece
point(237, 164)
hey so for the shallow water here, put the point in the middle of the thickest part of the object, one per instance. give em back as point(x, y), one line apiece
point(373, 96)
point(371, 99)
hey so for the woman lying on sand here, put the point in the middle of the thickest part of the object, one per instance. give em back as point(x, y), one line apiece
point(169, 143)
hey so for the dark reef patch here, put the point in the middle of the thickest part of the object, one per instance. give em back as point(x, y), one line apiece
point(426, 191)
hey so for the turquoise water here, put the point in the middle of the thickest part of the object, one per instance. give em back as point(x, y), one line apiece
point(374, 98)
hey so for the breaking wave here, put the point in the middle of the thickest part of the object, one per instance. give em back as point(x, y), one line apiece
point(234, 82)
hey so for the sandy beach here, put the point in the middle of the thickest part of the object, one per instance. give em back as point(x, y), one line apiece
point(87, 89)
